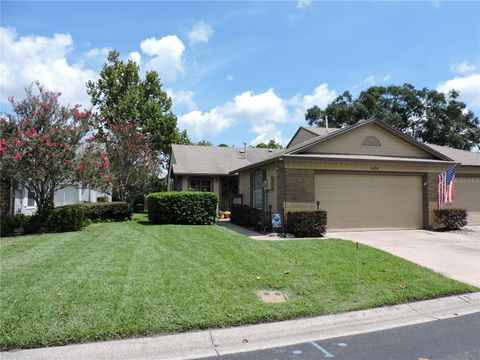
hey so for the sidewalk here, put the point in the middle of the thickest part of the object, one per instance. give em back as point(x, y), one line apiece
point(262, 336)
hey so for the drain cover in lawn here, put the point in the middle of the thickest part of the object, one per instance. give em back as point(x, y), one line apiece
point(272, 296)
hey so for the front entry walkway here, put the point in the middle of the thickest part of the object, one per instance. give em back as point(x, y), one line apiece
point(455, 254)
point(238, 229)
point(250, 233)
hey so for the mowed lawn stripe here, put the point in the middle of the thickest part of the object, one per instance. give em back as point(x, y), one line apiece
point(118, 280)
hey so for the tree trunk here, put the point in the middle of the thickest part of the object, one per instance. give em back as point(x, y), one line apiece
point(45, 202)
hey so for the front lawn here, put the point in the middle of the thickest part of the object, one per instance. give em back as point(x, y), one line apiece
point(118, 280)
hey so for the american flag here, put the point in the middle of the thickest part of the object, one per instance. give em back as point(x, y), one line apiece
point(446, 187)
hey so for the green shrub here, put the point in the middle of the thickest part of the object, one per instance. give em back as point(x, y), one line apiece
point(102, 199)
point(450, 219)
point(65, 218)
point(108, 211)
point(307, 223)
point(62, 219)
point(245, 215)
point(190, 208)
point(11, 225)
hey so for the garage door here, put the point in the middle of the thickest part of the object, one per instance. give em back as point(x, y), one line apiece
point(467, 196)
point(370, 201)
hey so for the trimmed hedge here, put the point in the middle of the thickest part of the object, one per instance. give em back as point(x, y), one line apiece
point(65, 218)
point(450, 219)
point(107, 211)
point(245, 215)
point(188, 208)
point(307, 223)
point(102, 199)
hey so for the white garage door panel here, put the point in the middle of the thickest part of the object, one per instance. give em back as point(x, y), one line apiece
point(467, 196)
point(370, 201)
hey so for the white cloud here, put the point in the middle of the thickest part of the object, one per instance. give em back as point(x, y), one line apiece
point(266, 106)
point(183, 97)
point(468, 86)
point(266, 133)
point(230, 78)
point(200, 33)
point(199, 123)
point(264, 112)
point(166, 56)
point(303, 3)
point(97, 52)
point(135, 57)
point(30, 58)
point(463, 67)
point(321, 96)
point(376, 80)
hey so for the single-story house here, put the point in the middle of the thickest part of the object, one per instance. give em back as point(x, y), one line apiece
point(15, 198)
point(367, 176)
point(209, 168)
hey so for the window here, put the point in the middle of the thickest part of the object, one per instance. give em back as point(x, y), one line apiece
point(371, 141)
point(30, 199)
point(201, 185)
point(257, 190)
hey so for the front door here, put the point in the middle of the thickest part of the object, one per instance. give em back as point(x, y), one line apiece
point(228, 188)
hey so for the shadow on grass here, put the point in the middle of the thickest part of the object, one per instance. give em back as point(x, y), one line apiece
point(145, 222)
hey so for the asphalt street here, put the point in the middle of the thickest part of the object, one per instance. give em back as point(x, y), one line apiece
point(451, 339)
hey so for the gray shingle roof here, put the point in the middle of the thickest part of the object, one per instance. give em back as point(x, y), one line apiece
point(463, 157)
point(320, 130)
point(324, 136)
point(192, 159)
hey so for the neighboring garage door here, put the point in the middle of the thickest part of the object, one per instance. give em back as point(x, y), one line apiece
point(370, 201)
point(467, 196)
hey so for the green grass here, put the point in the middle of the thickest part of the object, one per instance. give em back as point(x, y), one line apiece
point(119, 280)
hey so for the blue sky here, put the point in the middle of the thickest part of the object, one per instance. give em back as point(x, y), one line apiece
point(245, 71)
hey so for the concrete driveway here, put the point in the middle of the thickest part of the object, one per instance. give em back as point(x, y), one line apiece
point(454, 254)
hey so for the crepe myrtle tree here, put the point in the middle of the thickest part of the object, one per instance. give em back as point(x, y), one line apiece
point(42, 146)
point(133, 158)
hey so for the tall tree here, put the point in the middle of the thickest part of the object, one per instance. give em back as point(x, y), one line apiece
point(42, 147)
point(204, 143)
point(121, 95)
point(425, 114)
point(272, 144)
point(133, 160)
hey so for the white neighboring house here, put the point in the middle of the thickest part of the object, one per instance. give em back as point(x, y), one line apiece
point(23, 202)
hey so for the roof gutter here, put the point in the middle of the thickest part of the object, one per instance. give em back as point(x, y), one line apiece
point(335, 158)
point(257, 164)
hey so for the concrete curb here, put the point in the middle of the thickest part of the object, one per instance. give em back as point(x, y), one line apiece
point(262, 336)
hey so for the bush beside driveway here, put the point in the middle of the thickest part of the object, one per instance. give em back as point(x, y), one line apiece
point(120, 280)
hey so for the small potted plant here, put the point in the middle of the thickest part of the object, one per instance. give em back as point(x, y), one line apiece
point(227, 214)
point(221, 215)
